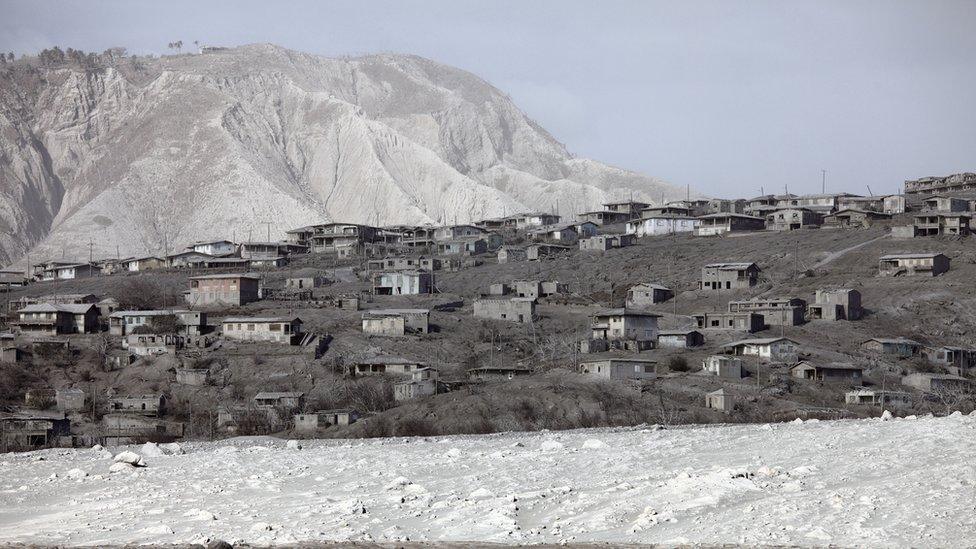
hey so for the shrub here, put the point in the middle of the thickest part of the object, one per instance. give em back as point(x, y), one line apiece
point(678, 363)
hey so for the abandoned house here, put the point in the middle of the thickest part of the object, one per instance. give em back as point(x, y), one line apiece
point(827, 372)
point(729, 276)
point(941, 224)
point(122, 428)
point(214, 248)
point(332, 237)
point(566, 233)
point(179, 260)
point(604, 242)
point(661, 224)
point(140, 344)
point(404, 263)
point(957, 360)
point(878, 397)
point(52, 319)
point(29, 430)
point(724, 205)
point(624, 325)
point(258, 251)
point(779, 349)
point(70, 271)
point(516, 309)
point(776, 311)
point(536, 252)
point(647, 293)
point(791, 219)
point(536, 288)
point(604, 217)
point(396, 322)
point(283, 399)
point(323, 419)
point(193, 377)
point(13, 278)
point(473, 245)
point(224, 289)
point(533, 219)
point(620, 368)
point(630, 207)
point(945, 203)
point(140, 264)
point(150, 405)
point(121, 323)
point(900, 346)
point(413, 282)
point(70, 399)
point(889, 204)
point(380, 365)
point(854, 218)
point(835, 304)
point(924, 264)
point(723, 366)
point(679, 339)
point(269, 329)
point(721, 223)
point(720, 400)
point(497, 373)
point(936, 383)
point(743, 322)
point(511, 254)
point(305, 282)
point(423, 383)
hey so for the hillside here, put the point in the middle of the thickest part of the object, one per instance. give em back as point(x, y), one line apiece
point(147, 154)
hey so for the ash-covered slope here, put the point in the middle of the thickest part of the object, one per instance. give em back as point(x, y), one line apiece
point(147, 155)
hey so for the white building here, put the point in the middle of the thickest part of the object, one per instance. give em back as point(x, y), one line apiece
point(662, 224)
point(620, 368)
point(279, 330)
point(214, 247)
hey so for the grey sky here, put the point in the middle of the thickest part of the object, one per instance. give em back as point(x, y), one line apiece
point(725, 96)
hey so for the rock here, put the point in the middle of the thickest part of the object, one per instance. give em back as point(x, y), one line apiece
point(453, 453)
point(172, 449)
point(131, 458)
point(151, 449)
point(293, 445)
point(121, 467)
point(481, 493)
point(97, 448)
point(886, 416)
point(77, 474)
point(219, 544)
point(593, 443)
point(551, 445)
point(261, 527)
point(205, 515)
point(957, 413)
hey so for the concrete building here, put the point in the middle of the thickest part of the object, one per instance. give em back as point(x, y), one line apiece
point(512, 254)
point(723, 223)
point(878, 397)
point(630, 207)
point(262, 251)
point(404, 263)
point(647, 293)
point(776, 311)
point(13, 278)
point(743, 322)
point(661, 224)
point(392, 365)
point(324, 419)
point(602, 217)
point(889, 204)
point(720, 400)
point(779, 349)
point(900, 346)
point(70, 271)
point(474, 245)
point(70, 399)
point(565, 233)
point(680, 339)
point(267, 329)
point(957, 360)
point(722, 205)
point(414, 282)
point(153, 344)
point(835, 304)
point(791, 219)
point(423, 383)
point(833, 372)
point(333, 237)
point(942, 224)
point(214, 248)
point(604, 242)
point(32, 429)
point(532, 219)
point(935, 383)
point(142, 264)
point(916, 264)
point(150, 405)
point(848, 218)
point(396, 322)
point(52, 319)
point(624, 325)
point(121, 323)
point(729, 276)
point(124, 428)
point(536, 252)
point(723, 366)
point(223, 290)
point(945, 204)
point(297, 283)
point(497, 373)
point(942, 184)
point(620, 368)
point(283, 399)
point(516, 309)
point(193, 377)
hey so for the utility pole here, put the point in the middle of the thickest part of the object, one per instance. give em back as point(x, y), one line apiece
point(91, 251)
point(268, 224)
point(823, 181)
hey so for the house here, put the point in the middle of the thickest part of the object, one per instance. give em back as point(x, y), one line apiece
point(822, 203)
point(941, 184)
point(944, 203)
point(901, 347)
point(271, 399)
point(723, 366)
point(333, 237)
point(743, 322)
point(412, 282)
point(13, 278)
point(214, 248)
point(602, 218)
point(624, 325)
point(957, 360)
point(604, 242)
point(924, 264)
point(406, 263)
point(70, 271)
point(64, 299)
point(417, 237)
point(760, 205)
point(620, 368)
point(661, 224)
point(107, 306)
point(380, 365)
point(827, 372)
point(70, 399)
point(116, 359)
point(31, 429)
point(536, 252)
point(270, 250)
point(720, 400)
point(630, 207)
point(721, 205)
point(854, 218)
point(533, 288)
point(679, 339)
point(194, 377)
point(223, 263)
point(936, 383)
point(729, 276)
point(670, 209)
point(150, 405)
point(183, 260)
point(516, 309)
point(533, 219)
point(51, 319)
point(11, 354)
point(888, 204)
point(878, 397)
point(776, 311)
point(567, 233)
point(121, 323)
point(322, 419)
point(836, 304)
point(473, 245)
point(268, 329)
point(224, 289)
point(942, 224)
point(123, 428)
point(396, 322)
point(497, 373)
point(791, 219)
point(423, 383)
point(153, 344)
point(721, 223)
point(456, 232)
point(647, 293)
point(511, 254)
point(139, 264)
point(305, 282)
point(779, 349)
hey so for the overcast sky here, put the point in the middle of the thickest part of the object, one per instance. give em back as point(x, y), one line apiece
point(727, 96)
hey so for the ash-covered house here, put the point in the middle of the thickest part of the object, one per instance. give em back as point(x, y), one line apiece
point(150, 405)
point(333, 237)
point(532, 219)
point(723, 205)
point(535, 252)
point(632, 208)
point(913, 264)
point(791, 219)
point(945, 203)
point(511, 254)
point(622, 328)
point(900, 346)
point(258, 250)
point(153, 344)
point(835, 304)
point(832, 372)
point(121, 323)
point(720, 400)
point(396, 322)
point(380, 365)
point(729, 276)
point(878, 397)
point(647, 293)
point(779, 349)
point(535, 288)
point(214, 248)
point(604, 242)
point(183, 260)
point(13, 278)
point(936, 383)
point(423, 382)
point(266, 329)
point(619, 368)
point(468, 246)
point(52, 319)
point(679, 339)
point(127, 428)
point(70, 399)
point(404, 263)
point(722, 320)
point(413, 282)
point(604, 217)
point(224, 289)
point(515, 309)
point(497, 373)
point(854, 218)
point(942, 224)
point(140, 264)
point(722, 223)
point(291, 400)
point(957, 360)
point(323, 419)
point(661, 224)
point(30, 429)
point(776, 311)
point(567, 233)
point(305, 282)
point(723, 366)
point(193, 377)
point(69, 271)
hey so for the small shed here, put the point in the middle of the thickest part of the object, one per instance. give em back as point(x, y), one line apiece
point(719, 400)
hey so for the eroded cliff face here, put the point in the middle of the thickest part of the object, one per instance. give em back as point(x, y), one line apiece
point(183, 148)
